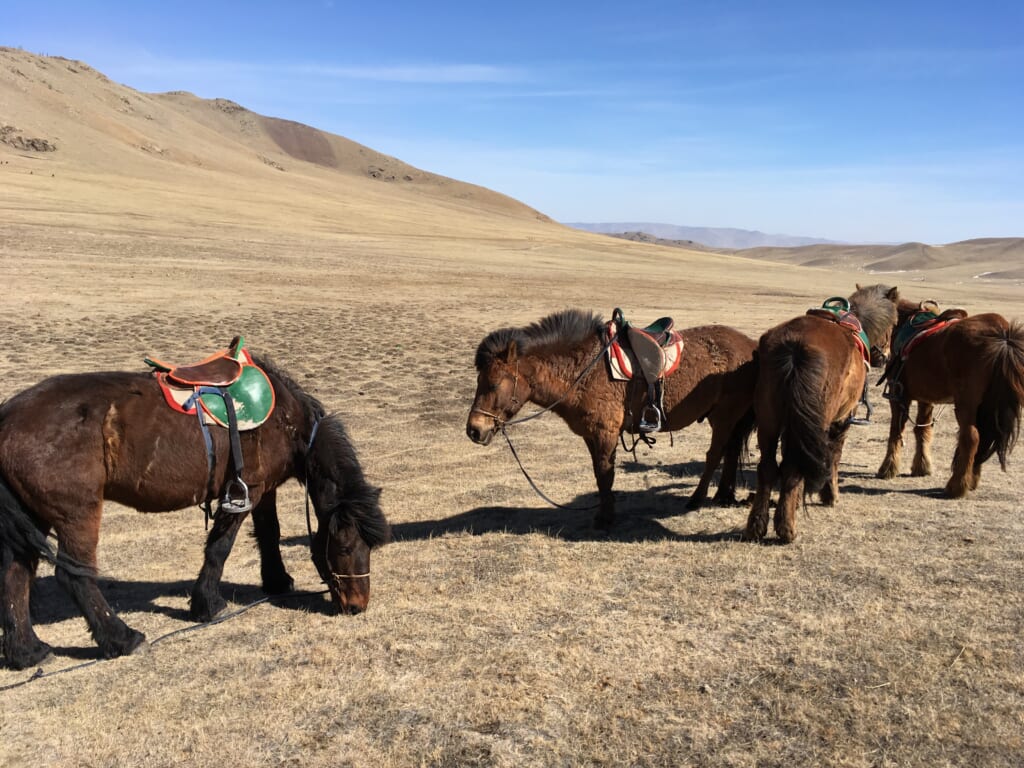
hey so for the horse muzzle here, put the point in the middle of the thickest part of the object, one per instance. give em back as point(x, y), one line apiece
point(350, 596)
point(480, 428)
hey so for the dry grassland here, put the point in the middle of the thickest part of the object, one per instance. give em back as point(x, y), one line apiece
point(501, 631)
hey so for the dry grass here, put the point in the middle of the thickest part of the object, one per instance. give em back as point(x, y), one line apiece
point(500, 631)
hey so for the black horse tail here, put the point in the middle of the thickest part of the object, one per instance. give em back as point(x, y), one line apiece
point(999, 416)
point(801, 372)
point(20, 537)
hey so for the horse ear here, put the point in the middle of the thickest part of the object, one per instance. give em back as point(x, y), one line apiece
point(858, 286)
point(893, 294)
point(512, 353)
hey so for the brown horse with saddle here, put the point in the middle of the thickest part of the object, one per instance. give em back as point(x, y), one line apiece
point(154, 442)
point(604, 379)
point(975, 362)
point(812, 376)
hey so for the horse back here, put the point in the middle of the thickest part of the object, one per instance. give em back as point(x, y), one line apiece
point(111, 435)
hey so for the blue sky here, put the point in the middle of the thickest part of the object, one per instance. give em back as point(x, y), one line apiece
point(860, 121)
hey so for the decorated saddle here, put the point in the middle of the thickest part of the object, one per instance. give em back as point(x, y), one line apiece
point(925, 322)
point(227, 389)
point(654, 350)
point(203, 385)
point(837, 310)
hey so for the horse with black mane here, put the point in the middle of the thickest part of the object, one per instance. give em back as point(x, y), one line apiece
point(73, 441)
point(553, 364)
point(811, 378)
point(975, 362)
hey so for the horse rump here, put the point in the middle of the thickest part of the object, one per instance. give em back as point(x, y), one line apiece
point(800, 373)
point(999, 416)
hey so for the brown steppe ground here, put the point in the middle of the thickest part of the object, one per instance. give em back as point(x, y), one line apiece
point(501, 631)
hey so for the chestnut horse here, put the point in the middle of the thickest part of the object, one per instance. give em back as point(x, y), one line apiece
point(976, 363)
point(553, 362)
point(811, 378)
point(72, 441)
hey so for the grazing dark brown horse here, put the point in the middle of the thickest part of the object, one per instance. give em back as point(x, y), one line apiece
point(811, 378)
point(542, 362)
point(976, 363)
point(72, 441)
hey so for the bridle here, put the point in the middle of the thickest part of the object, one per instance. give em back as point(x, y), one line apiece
point(335, 578)
point(500, 423)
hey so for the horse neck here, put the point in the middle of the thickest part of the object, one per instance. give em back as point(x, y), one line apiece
point(552, 377)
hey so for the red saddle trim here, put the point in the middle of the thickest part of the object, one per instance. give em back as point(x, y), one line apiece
point(924, 333)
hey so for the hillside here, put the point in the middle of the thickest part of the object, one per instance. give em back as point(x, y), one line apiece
point(64, 120)
point(713, 237)
point(984, 259)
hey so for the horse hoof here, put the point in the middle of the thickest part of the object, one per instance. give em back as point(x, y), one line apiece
point(22, 660)
point(123, 647)
point(279, 585)
point(205, 610)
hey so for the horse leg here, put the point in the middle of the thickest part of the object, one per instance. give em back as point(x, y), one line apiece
point(76, 573)
point(963, 459)
point(719, 440)
point(897, 423)
point(20, 644)
point(922, 465)
point(276, 580)
point(837, 433)
point(726, 493)
point(206, 599)
point(790, 494)
point(602, 454)
point(767, 474)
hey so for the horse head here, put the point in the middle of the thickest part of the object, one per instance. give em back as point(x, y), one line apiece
point(349, 520)
point(501, 387)
point(876, 308)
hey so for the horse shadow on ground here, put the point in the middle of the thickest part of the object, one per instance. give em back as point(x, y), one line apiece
point(638, 516)
point(51, 604)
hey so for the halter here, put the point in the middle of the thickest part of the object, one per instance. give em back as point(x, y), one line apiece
point(501, 424)
point(335, 577)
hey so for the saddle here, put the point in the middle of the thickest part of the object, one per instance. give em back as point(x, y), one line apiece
point(837, 310)
point(925, 322)
point(226, 389)
point(231, 370)
point(655, 350)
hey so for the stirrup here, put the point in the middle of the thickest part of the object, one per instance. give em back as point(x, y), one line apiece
point(238, 504)
point(650, 420)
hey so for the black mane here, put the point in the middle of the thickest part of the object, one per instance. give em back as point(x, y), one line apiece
point(558, 331)
point(332, 465)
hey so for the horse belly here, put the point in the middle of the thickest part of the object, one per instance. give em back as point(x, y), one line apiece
point(927, 374)
point(155, 460)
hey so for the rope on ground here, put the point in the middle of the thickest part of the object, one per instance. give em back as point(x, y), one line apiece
point(39, 674)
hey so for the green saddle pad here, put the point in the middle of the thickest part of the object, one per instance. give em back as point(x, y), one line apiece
point(253, 397)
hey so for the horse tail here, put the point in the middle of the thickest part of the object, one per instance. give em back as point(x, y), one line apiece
point(20, 537)
point(801, 372)
point(999, 417)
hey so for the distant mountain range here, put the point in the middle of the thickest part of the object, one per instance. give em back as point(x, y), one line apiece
point(713, 237)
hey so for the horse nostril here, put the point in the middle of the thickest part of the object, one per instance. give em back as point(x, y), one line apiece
point(474, 434)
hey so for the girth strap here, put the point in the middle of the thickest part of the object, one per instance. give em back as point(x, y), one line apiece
point(236, 493)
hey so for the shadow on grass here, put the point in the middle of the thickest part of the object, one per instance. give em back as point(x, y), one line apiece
point(51, 604)
point(637, 519)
